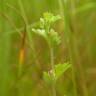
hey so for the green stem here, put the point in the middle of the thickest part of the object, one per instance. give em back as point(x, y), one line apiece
point(53, 69)
point(68, 39)
point(25, 24)
point(5, 50)
point(77, 55)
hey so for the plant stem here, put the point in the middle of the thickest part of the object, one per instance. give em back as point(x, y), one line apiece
point(68, 39)
point(23, 43)
point(5, 50)
point(77, 55)
point(53, 70)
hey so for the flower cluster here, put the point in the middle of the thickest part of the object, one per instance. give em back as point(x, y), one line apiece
point(45, 28)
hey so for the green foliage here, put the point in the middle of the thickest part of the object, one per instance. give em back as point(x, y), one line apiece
point(85, 7)
point(61, 68)
point(49, 19)
point(55, 39)
point(45, 29)
point(58, 71)
point(47, 76)
point(78, 46)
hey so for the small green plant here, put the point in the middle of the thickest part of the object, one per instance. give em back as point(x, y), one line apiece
point(45, 29)
point(51, 36)
point(59, 70)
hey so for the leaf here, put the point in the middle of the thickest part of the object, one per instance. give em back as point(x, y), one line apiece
point(55, 38)
point(42, 23)
point(47, 78)
point(39, 32)
point(85, 8)
point(60, 69)
point(50, 18)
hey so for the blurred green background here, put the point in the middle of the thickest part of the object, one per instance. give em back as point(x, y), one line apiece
point(78, 34)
